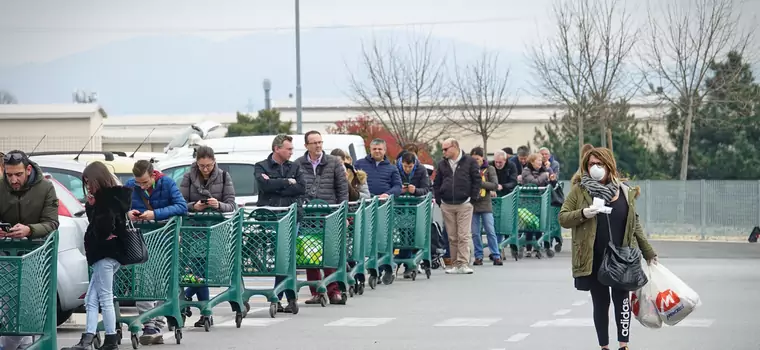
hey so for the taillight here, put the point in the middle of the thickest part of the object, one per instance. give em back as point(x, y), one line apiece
point(63, 211)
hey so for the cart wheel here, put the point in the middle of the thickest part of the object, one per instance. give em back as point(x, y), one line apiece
point(272, 309)
point(206, 324)
point(538, 254)
point(360, 289)
point(428, 273)
point(238, 319)
point(549, 253)
point(120, 335)
point(388, 278)
point(435, 264)
point(135, 342)
point(295, 308)
point(351, 291)
point(558, 247)
point(344, 297)
point(323, 300)
point(96, 343)
point(372, 282)
point(414, 275)
point(178, 335)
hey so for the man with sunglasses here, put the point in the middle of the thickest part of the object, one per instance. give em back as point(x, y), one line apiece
point(29, 206)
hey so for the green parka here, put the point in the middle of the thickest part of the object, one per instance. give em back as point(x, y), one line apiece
point(584, 230)
point(34, 205)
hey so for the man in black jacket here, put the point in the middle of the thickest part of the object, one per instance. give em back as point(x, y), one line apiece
point(506, 172)
point(280, 184)
point(520, 159)
point(456, 185)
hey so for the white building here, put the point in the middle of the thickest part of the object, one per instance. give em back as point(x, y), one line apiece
point(68, 127)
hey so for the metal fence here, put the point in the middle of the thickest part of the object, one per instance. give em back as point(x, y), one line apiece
point(707, 209)
point(698, 209)
point(50, 143)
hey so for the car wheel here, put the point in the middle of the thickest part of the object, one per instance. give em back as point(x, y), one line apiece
point(62, 316)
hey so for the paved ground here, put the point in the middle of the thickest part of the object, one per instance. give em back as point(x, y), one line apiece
point(529, 304)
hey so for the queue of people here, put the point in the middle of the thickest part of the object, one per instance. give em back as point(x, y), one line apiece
point(463, 188)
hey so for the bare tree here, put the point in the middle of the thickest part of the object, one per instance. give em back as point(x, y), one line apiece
point(682, 41)
point(584, 65)
point(482, 96)
point(6, 98)
point(404, 88)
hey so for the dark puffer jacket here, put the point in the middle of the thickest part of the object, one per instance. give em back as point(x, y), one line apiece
point(108, 216)
point(418, 178)
point(327, 181)
point(382, 177)
point(456, 186)
point(219, 185)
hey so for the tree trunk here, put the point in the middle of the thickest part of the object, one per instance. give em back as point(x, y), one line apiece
point(580, 138)
point(609, 139)
point(485, 145)
point(603, 130)
point(686, 140)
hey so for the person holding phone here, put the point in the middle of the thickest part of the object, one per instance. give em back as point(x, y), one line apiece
point(415, 182)
point(154, 197)
point(28, 209)
point(107, 206)
point(206, 187)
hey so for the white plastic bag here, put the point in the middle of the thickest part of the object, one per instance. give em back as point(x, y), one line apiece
point(644, 302)
point(675, 300)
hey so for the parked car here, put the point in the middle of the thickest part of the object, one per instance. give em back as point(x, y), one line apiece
point(240, 167)
point(73, 278)
point(68, 171)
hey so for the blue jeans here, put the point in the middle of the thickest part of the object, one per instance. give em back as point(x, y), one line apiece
point(100, 294)
point(201, 292)
point(477, 239)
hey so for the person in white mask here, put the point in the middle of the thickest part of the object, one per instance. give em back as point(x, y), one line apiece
point(599, 179)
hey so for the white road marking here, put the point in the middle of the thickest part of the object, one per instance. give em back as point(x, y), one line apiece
point(589, 322)
point(359, 322)
point(468, 322)
point(562, 312)
point(253, 322)
point(518, 337)
point(580, 302)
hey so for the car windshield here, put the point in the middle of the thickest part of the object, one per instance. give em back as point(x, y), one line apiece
point(67, 199)
point(124, 177)
point(181, 139)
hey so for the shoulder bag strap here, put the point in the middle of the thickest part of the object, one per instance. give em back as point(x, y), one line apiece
point(146, 202)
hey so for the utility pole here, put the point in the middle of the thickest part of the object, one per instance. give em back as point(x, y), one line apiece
point(299, 117)
point(267, 84)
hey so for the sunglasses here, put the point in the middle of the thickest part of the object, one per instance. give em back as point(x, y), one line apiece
point(13, 157)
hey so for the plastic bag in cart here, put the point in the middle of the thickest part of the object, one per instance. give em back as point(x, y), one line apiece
point(644, 302)
point(675, 300)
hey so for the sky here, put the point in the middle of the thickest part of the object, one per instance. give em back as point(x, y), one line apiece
point(37, 32)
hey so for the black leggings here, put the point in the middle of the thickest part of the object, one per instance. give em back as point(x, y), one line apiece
point(600, 296)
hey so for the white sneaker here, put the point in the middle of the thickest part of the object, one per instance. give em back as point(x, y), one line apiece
point(466, 270)
point(452, 270)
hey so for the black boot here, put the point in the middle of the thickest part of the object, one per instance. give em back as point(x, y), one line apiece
point(111, 342)
point(85, 343)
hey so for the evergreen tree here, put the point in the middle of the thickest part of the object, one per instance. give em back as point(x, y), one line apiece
point(629, 142)
point(267, 122)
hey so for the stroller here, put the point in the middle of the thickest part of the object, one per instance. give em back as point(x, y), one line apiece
point(438, 246)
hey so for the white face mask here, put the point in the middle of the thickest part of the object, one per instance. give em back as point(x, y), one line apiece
point(597, 172)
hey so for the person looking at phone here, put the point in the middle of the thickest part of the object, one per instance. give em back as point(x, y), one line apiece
point(206, 187)
point(155, 197)
point(28, 209)
point(415, 182)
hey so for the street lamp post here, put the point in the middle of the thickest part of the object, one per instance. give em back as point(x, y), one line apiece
point(267, 84)
point(299, 119)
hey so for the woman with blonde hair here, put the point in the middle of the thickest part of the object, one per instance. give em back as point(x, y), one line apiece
point(599, 179)
point(357, 179)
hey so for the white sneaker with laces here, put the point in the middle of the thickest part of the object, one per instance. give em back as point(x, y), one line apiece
point(466, 270)
point(452, 270)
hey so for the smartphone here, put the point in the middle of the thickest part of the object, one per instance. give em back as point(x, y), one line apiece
point(5, 227)
point(204, 201)
point(406, 184)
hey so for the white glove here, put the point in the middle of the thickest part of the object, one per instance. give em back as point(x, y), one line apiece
point(590, 212)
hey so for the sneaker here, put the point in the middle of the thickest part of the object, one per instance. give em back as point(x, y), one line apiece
point(315, 299)
point(478, 262)
point(466, 270)
point(407, 275)
point(452, 270)
point(151, 336)
point(497, 262)
point(528, 254)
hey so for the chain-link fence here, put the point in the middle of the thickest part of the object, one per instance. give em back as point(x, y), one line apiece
point(698, 209)
point(706, 209)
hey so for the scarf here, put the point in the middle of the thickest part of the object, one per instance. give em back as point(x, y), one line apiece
point(483, 178)
point(598, 189)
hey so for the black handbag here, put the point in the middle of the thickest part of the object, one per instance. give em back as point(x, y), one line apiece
point(558, 196)
point(135, 250)
point(621, 267)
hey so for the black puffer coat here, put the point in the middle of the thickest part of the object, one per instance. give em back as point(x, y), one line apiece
point(108, 216)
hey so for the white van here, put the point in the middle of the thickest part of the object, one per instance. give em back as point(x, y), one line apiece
point(256, 145)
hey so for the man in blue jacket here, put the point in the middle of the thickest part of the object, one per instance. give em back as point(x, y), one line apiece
point(155, 197)
point(383, 177)
point(415, 182)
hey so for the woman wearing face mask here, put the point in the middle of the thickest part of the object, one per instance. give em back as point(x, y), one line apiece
point(599, 179)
